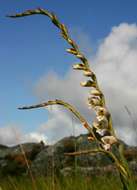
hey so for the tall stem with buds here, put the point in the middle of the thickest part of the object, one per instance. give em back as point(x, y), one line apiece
point(101, 129)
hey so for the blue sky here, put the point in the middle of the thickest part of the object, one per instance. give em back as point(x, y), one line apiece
point(30, 47)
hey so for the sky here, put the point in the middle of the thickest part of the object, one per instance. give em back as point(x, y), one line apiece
point(34, 67)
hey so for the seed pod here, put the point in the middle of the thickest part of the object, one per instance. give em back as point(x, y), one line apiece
point(88, 83)
point(79, 66)
point(71, 50)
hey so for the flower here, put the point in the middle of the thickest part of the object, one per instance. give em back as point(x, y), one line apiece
point(102, 111)
point(102, 121)
point(106, 147)
point(103, 132)
point(94, 101)
point(109, 140)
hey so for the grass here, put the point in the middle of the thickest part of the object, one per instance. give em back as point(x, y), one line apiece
point(63, 183)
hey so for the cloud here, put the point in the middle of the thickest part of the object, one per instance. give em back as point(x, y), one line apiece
point(115, 64)
point(52, 86)
point(34, 137)
point(83, 40)
point(12, 134)
point(60, 124)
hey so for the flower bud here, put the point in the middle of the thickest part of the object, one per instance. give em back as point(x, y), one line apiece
point(79, 66)
point(79, 56)
point(88, 73)
point(55, 20)
point(70, 41)
point(88, 83)
point(95, 92)
point(64, 29)
point(71, 50)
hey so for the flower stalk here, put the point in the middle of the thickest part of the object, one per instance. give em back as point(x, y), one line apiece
point(67, 106)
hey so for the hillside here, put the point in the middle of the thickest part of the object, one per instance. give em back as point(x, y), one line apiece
point(42, 159)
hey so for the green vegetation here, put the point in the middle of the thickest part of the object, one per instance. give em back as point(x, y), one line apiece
point(63, 183)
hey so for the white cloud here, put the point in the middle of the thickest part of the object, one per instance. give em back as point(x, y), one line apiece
point(8, 136)
point(115, 64)
point(60, 125)
point(67, 88)
point(34, 137)
point(12, 134)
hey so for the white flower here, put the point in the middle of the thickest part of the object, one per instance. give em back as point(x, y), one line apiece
point(106, 147)
point(102, 121)
point(109, 140)
point(94, 101)
point(103, 132)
